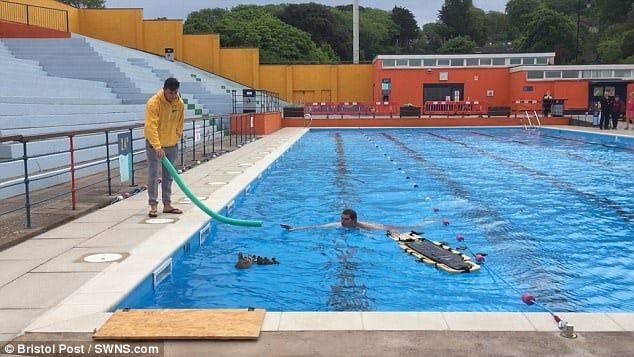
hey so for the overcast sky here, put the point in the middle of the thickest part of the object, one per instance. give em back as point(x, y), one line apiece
point(424, 10)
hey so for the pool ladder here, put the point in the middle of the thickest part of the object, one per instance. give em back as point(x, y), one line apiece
point(532, 124)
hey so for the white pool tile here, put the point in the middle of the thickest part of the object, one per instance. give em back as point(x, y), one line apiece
point(624, 320)
point(403, 321)
point(320, 321)
point(591, 322)
point(271, 321)
point(487, 321)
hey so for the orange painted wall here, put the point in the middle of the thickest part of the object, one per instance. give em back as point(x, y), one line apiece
point(264, 123)
point(407, 84)
point(120, 26)
point(322, 83)
point(241, 65)
point(161, 34)
point(73, 18)
point(202, 51)
point(575, 91)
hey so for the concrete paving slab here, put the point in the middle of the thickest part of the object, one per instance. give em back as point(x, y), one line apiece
point(403, 321)
point(108, 216)
point(14, 320)
point(121, 238)
point(76, 230)
point(320, 321)
point(40, 290)
point(487, 321)
point(86, 324)
point(36, 249)
point(13, 269)
point(70, 261)
point(64, 314)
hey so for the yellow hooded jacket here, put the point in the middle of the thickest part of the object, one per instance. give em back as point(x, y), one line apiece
point(163, 121)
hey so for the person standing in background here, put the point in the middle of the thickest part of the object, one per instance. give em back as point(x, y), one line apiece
point(606, 108)
point(629, 115)
point(547, 103)
point(617, 108)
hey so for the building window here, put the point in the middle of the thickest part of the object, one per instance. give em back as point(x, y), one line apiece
point(388, 63)
point(429, 62)
point(528, 60)
point(542, 60)
point(553, 74)
point(414, 63)
point(622, 73)
point(401, 63)
point(570, 74)
point(485, 61)
point(516, 60)
point(499, 61)
point(535, 74)
point(443, 62)
point(472, 61)
point(457, 62)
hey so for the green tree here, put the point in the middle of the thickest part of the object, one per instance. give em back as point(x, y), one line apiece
point(477, 25)
point(612, 11)
point(627, 45)
point(86, 4)
point(520, 12)
point(203, 21)
point(435, 35)
point(455, 14)
point(252, 26)
point(550, 31)
point(376, 30)
point(609, 51)
point(322, 25)
point(498, 27)
point(458, 44)
point(407, 29)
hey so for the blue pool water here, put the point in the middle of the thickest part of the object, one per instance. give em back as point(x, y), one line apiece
point(553, 210)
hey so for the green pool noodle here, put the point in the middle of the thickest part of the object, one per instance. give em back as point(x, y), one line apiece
point(179, 181)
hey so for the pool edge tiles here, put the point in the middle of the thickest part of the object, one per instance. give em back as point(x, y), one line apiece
point(111, 286)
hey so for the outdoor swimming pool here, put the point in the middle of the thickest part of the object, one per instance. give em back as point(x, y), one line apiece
point(554, 211)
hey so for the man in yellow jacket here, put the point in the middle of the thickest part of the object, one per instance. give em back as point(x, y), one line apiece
point(164, 120)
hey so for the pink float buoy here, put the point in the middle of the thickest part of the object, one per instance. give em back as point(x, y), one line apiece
point(479, 258)
point(436, 209)
point(460, 238)
point(528, 299)
point(445, 222)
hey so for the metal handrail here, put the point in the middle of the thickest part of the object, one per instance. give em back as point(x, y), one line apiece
point(539, 123)
point(242, 133)
point(27, 17)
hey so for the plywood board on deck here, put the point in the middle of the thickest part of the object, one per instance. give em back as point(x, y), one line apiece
point(182, 324)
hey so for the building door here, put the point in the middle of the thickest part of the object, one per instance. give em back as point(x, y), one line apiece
point(443, 91)
point(598, 90)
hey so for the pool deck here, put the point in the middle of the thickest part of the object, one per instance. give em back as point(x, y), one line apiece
point(47, 292)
